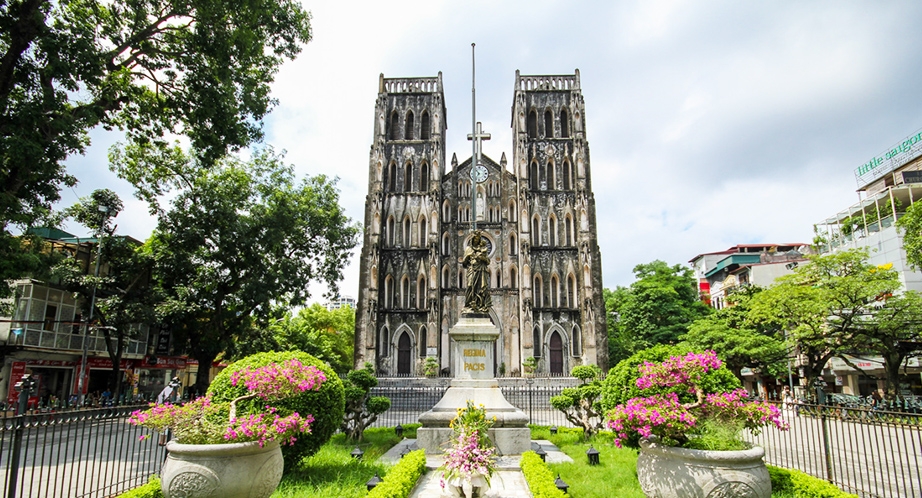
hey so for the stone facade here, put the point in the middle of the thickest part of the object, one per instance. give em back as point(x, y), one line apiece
point(538, 215)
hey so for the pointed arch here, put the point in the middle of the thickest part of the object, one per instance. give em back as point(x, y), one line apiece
point(390, 230)
point(384, 338)
point(424, 126)
point(538, 290)
point(423, 177)
point(552, 230)
point(532, 125)
point(535, 231)
point(392, 177)
point(537, 341)
point(446, 211)
point(513, 247)
point(551, 176)
point(421, 292)
point(388, 292)
point(567, 175)
point(533, 179)
point(405, 292)
point(446, 248)
point(555, 354)
point(568, 227)
point(404, 353)
point(564, 124)
point(513, 278)
point(423, 231)
point(408, 177)
point(446, 279)
point(406, 231)
point(393, 128)
point(423, 341)
point(555, 291)
point(461, 284)
point(513, 214)
point(576, 341)
point(548, 124)
point(571, 291)
point(409, 132)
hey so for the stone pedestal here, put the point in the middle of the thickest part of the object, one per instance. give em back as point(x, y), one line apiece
point(472, 340)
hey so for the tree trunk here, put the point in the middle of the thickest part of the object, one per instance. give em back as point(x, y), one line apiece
point(203, 378)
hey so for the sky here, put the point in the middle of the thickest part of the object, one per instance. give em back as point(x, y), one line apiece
point(710, 123)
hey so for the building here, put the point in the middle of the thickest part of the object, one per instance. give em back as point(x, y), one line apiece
point(339, 302)
point(888, 183)
point(718, 273)
point(46, 334)
point(537, 213)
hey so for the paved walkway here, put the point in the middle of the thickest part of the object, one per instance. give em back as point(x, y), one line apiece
point(507, 482)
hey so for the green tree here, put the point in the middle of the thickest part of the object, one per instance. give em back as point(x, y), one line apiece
point(620, 342)
point(362, 409)
point(739, 341)
point(325, 334)
point(150, 68)
point(823, 303)
point(910, 224)
point(121, 296)
point(243, 239)
point(659, 306)
point(580, 404)
point(893, 330)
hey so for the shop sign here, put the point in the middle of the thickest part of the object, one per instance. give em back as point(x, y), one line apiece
point(106, 363)
point(747, 372)
point(173, 362)
point(837, 363)
point(896, 156)
point(51, 363)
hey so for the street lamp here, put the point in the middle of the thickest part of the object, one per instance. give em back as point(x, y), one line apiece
point(104, 210)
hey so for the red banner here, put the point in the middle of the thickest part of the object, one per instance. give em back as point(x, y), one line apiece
point(17, 371)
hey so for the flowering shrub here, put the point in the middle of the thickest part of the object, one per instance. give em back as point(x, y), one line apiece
point(471, 451)
point(204, 421)
point(680, 424)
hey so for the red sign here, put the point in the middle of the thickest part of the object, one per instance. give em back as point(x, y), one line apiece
point(106, 363)
point(17, 371)
point(51, 363)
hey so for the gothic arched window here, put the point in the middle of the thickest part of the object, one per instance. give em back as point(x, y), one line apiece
point(408, 134)
point(532, 126)
point(535, 233)
point(406, 232)
point(395, 123)
point(568, 226)
point(564, 124)
point(445, 246)
point(389, 292)
point(513, 215)
point(548, 124)
point(551, 177)
point(423, 177)
point(423, 234)
point(533, 179)
point(446, 281)
point(421, 293)
point(408, 178)
point(536, 339)
point(513, 278)
point(539, 292)
point(567, 176)
point(423, 339)
point(555, 292)
point(424, 132)
point(405, 292)
point(383, 343)
point(571, 292)
point(392, 177)
point(576, 341)
point(389, 233)
point(552, 231)
point(512, 245)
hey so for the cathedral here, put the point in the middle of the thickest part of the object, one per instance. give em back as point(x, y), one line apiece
point(537, 215)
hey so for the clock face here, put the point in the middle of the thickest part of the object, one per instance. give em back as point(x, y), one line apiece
point(479, 173)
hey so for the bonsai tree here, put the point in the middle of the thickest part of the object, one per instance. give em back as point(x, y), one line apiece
point(530, 365)
point(362, 409)
point(431, 367)
point(581, 404)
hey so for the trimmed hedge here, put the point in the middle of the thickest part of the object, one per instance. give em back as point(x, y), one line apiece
point(402, 478)
point(149, 490)
point(326, 405)
point(539, 477)
point(803, 485)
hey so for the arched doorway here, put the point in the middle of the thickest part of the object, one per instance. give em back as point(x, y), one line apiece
point(556, 354)
point(404, 354)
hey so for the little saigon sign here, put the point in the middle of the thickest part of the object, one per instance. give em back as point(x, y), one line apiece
point(896, 156)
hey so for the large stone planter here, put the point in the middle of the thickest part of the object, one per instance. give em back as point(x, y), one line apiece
point(669, 472)
point(235, 470)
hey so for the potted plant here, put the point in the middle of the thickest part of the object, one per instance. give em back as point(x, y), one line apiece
point(471, 459)
point(529, 366)
point(690, 439)
point(217, 451)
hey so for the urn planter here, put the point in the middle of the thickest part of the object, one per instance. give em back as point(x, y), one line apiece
point(670, 472)
point(234, 470)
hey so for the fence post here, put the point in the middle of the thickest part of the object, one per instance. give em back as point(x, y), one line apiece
point(826, 450)
point(15, 455)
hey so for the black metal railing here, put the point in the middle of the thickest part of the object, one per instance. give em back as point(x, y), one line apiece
point(76, 454)
point(409, 402)
point(869, 452)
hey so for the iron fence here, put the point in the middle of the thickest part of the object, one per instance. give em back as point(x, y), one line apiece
point(872, 453)
point(75, 454)
point(409, 402)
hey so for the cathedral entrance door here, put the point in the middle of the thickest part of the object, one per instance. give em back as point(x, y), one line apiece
point(556, 356)
point(404, 354)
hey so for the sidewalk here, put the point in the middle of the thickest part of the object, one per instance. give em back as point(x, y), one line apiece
point(507, 482)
